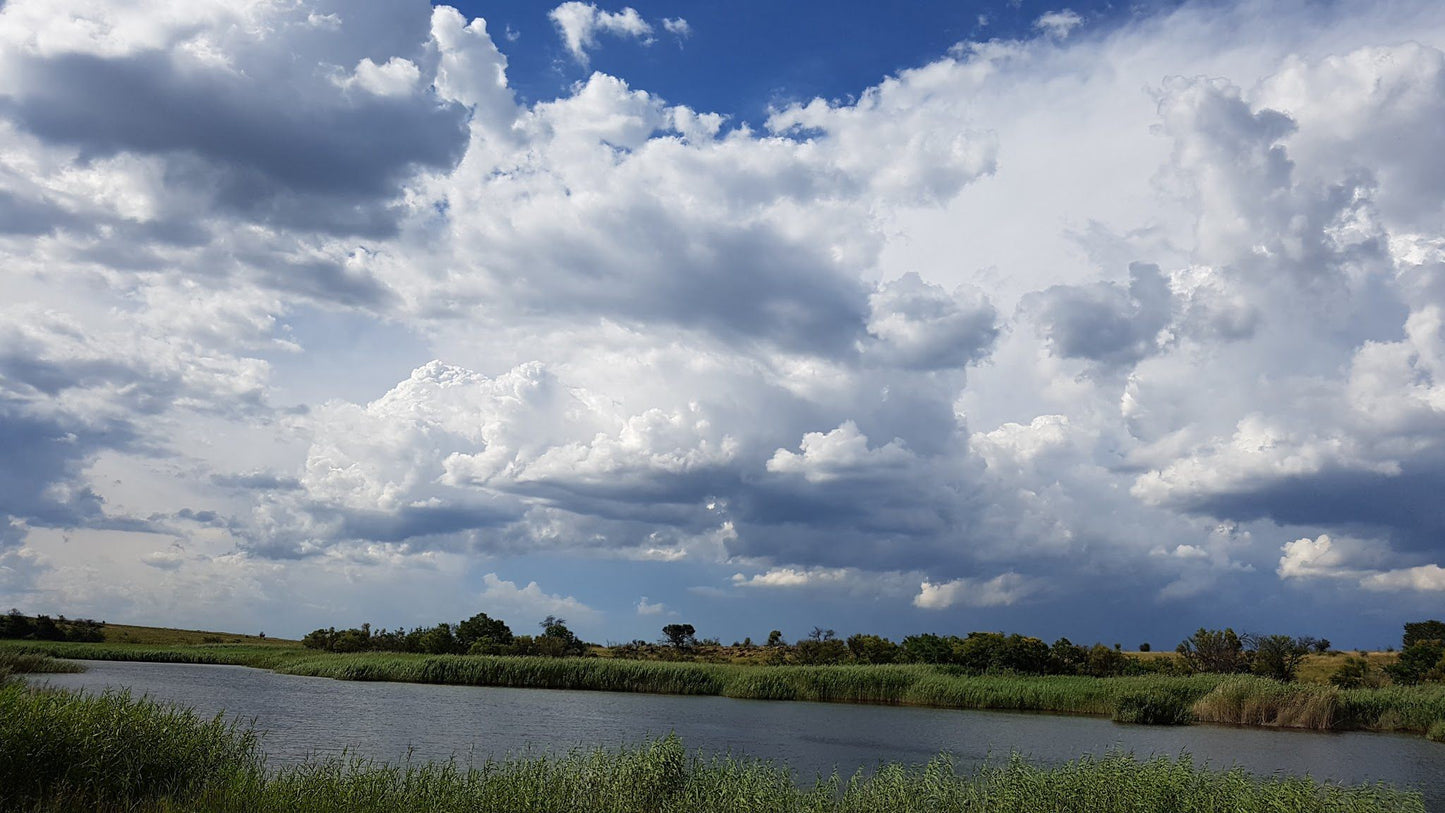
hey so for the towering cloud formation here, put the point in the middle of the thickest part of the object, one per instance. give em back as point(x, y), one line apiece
point(303, 293)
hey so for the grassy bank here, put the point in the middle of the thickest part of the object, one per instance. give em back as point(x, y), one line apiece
point(267, 656)
point(1152, 699)
point(21, 663)
point(62, 751)
point(169, 636)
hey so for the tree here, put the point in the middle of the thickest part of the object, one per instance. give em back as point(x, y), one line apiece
point(1214, 651)
point(775, 638)
point(1420, 631)
point(1354, 673)
point(927, 648)
point(1422, 660)
point(872, 649)
point(483, 635)
point(1276, 656)
point(821, 647)
point(556, 640)
point(438, 640)
point(680, 636)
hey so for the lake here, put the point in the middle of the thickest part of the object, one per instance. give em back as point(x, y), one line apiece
point(305, 717)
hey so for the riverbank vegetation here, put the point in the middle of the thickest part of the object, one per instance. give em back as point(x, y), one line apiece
point(1158, 699)
point(1214, 676)
point(62, 752)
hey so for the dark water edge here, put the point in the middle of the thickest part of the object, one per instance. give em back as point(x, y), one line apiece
point(316, 717)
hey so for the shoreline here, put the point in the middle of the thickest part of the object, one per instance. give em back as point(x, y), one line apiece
point(1238, 700)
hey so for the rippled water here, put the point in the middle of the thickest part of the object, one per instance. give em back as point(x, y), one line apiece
point(389, 721)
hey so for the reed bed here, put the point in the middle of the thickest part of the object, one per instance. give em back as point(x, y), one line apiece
point(20, 663)
point(1245, 700)
point(1393, 708)
point(79, 752)
point(61, 752)
point(260, 657)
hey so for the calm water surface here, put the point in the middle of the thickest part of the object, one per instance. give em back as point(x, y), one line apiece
point(305, 717)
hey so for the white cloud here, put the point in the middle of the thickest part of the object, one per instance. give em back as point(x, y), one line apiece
point(844, 451)
point(396, 77)
point(847, 581)
point(1425, 579)
point(677, 26)
point(1049, 302)
point(999, 591)
point(579, 23)
point(645, 607)
point(1058, 24)
point(530, 601)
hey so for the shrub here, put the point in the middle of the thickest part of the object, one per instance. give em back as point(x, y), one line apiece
point(1159, 705)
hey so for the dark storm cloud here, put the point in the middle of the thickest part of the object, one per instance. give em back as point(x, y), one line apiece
point(42, 461)
point(30, 217)
point(1405, 506)
point(258, 481)
point(1105, 322)
point(331, 161)
point(744, 284)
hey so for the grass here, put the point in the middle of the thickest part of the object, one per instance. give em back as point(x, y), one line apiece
point(19, 663)
point(167, 636)
point(267, 656)
point(90, 751)
point(61, 751)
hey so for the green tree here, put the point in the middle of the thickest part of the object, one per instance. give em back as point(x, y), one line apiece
point(927, 648)
point(483, 635)
point(1419, 631)
point(872, 649)
point(775, 638)
point(1354, 673)
point(1214, 651)
point(438, 640)
point(680, 636)
point(1276, 656)
point(821, 647)
point(556, 640)
point(1423, 660)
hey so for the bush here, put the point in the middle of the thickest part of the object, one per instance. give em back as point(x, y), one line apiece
point(1161, 705)
point(1420, 661)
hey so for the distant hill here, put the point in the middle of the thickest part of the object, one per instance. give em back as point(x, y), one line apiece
point(165, 636)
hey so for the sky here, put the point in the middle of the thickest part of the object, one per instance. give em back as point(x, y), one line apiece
point(1106, 322)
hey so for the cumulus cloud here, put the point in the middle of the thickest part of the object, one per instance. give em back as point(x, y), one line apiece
point(1000, 308)
point(531, 601)
point(1106, 322)
point(1058, 24)
point(645, 607)
point(580, 23)
point(1001, 590)
point(921, 326)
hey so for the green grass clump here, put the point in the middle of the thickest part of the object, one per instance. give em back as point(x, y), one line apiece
point(62, 752)
point(1436, 731)
point(1156, 705)
point(261, 657)
point(20, 663)
point(1257, 701)
point(1393, 708)
point(78, 752)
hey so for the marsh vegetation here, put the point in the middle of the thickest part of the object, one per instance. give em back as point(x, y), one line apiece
point(63, 751)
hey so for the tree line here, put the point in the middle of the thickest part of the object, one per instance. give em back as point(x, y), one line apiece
point(479, 635)
point(44, 628)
